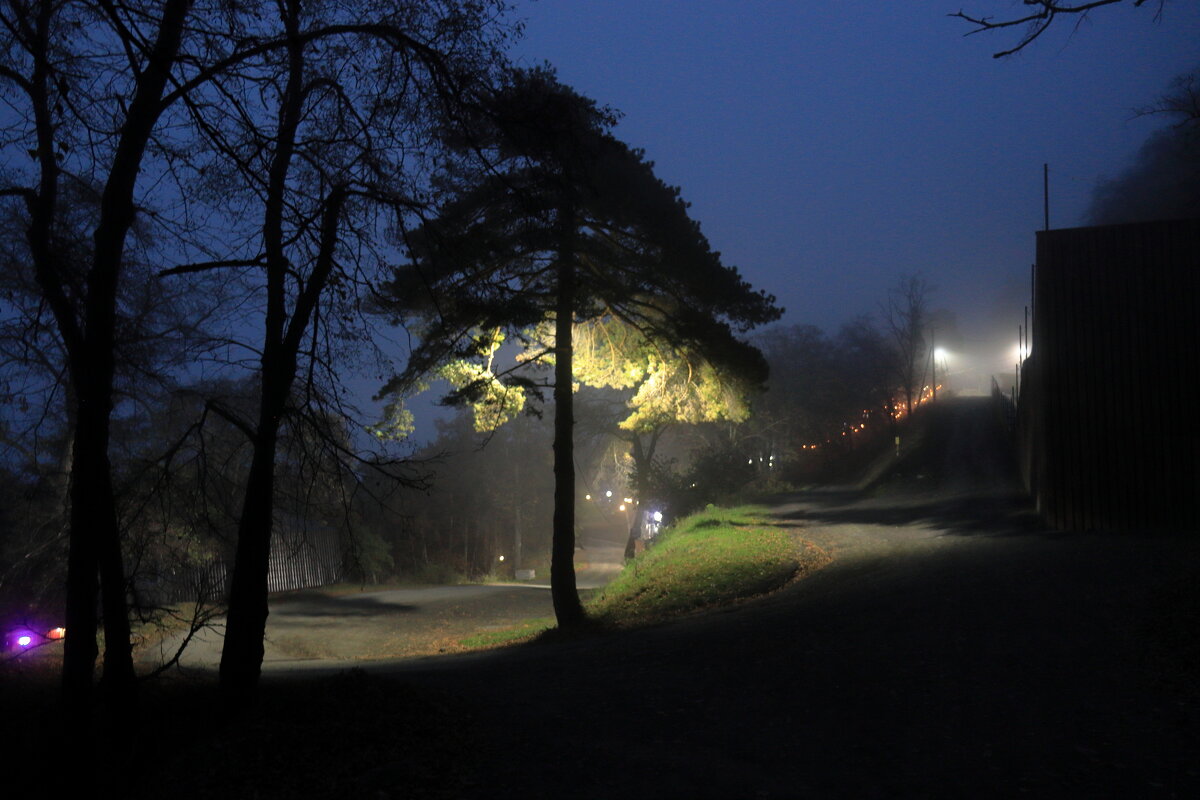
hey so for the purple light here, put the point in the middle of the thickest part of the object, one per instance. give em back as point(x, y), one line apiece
point(25, 641)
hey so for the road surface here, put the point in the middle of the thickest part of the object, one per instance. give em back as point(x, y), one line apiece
point(313, 630)
point(952, 649)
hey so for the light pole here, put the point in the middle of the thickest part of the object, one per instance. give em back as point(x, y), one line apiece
point(933, 357)
point(939, 352)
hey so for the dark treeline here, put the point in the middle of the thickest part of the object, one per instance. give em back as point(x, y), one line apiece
point(1163, 182)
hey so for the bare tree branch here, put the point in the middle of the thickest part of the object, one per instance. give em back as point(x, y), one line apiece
point(205, 266)
point(1038, 21)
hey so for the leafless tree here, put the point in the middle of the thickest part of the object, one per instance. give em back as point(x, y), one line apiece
point(130, 98)
point(1181, 103)
point(1164, 180)
point(89, 84)
point(905, 317)
point(322, 145)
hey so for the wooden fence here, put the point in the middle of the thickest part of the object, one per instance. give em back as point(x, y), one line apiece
point(300, 559)
point(304, 558)
point(1107, 422)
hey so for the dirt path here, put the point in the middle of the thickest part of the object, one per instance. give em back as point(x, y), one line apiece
point(313, 630)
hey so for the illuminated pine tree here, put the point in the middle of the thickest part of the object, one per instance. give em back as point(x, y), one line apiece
point(565, 223)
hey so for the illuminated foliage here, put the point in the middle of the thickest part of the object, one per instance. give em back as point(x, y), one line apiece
point(492, 401)
point(669, 384)
point(397, 423)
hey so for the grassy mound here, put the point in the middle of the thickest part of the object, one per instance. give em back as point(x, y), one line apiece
point(710, 558)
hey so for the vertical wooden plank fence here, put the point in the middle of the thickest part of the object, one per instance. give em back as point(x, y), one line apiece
point(1107, 424)
point(301, 557)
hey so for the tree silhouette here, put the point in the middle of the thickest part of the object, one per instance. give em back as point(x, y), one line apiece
point(150, 103)
point(563, 222)
point(69, 68)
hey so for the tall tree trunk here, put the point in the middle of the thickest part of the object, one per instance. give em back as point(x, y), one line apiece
point(99, 511)
point(94, 529)
point(567, 608)
point(83, 584)
point(643, 459)
point(94, 563)
point(640, 467)
point(517, 501)
point(516, 536)
point(246, 621)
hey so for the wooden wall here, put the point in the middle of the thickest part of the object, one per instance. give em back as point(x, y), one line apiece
point(1110, 395)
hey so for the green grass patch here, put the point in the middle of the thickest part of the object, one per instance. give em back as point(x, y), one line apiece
point(708, 559)
point(711, 558)
point(518, 633)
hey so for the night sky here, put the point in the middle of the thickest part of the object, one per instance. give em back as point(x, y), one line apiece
point(828, 148)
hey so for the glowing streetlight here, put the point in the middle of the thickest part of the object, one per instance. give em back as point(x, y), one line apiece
point(939, 354)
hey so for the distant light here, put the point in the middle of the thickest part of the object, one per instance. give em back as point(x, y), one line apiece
point(25, 640)
point(608, 493)
point(628, 499)
point(587, 497)
point(501, 558)
point(56, 633)
point(940, 353)
point(657, 516)
point(621, 507)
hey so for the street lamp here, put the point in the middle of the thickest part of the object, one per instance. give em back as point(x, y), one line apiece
point(938, 352)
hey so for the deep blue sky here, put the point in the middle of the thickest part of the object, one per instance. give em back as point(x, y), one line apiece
point(828, 148)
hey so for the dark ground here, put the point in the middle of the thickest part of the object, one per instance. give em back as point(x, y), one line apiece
point(952, 649)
